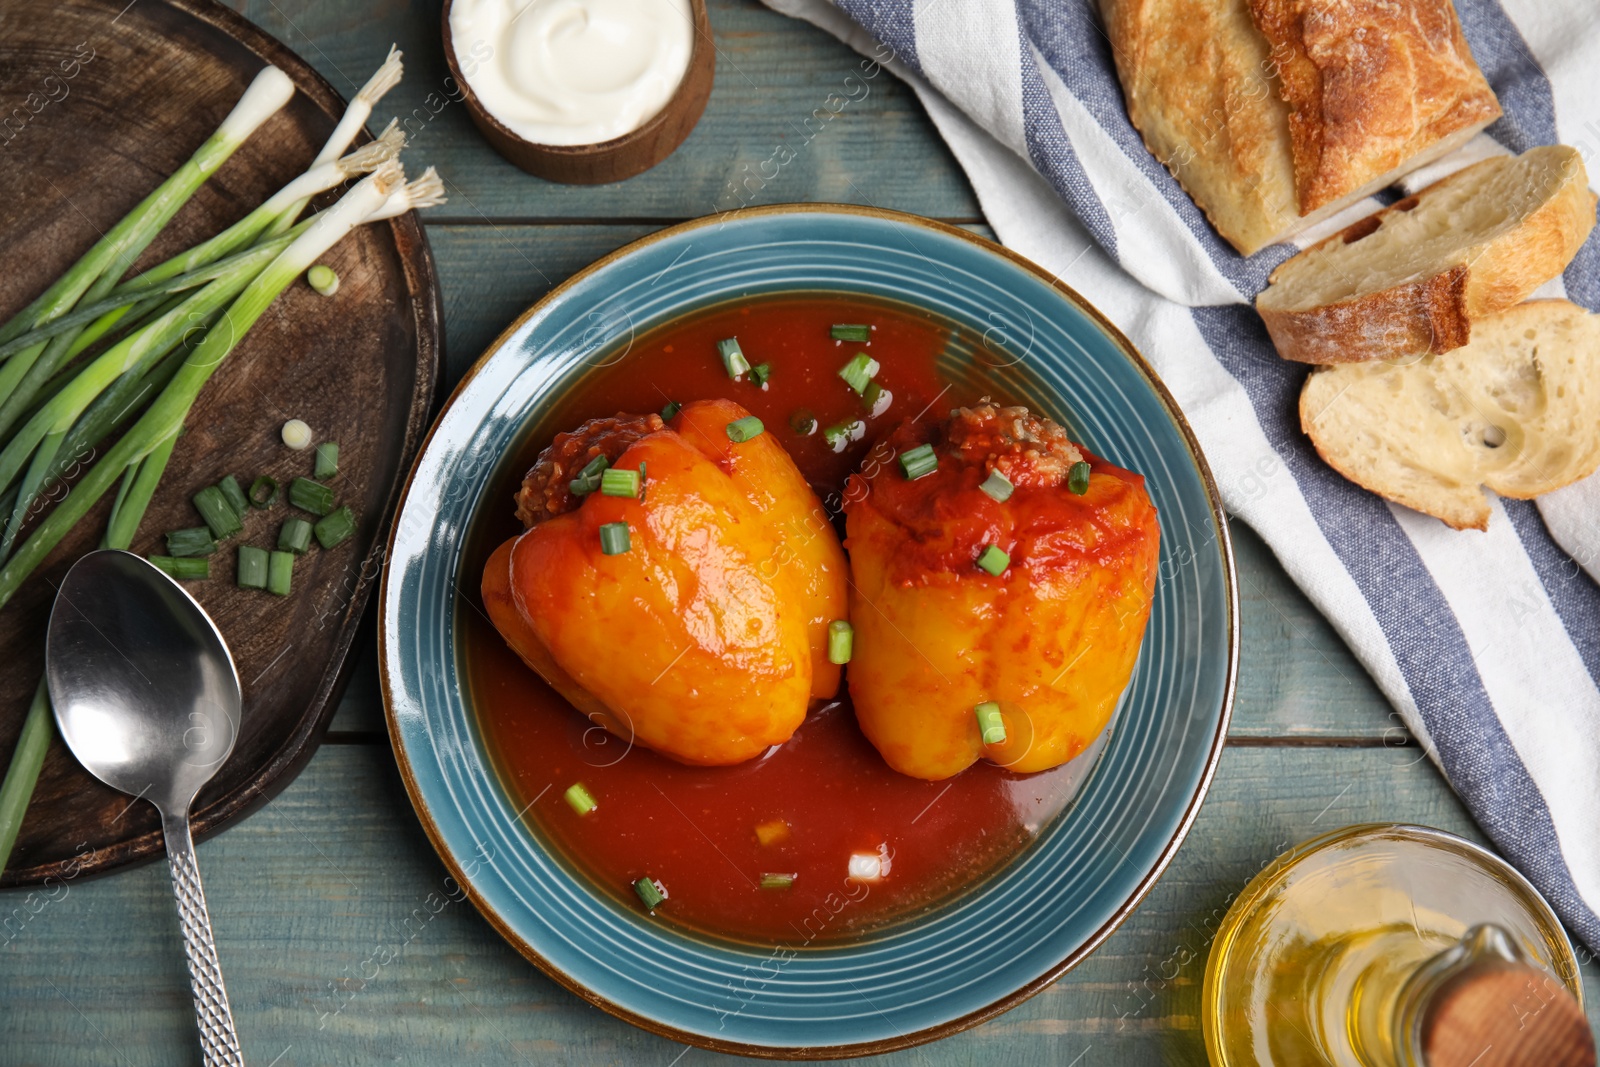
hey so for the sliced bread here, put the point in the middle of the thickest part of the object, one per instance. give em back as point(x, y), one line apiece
point(1515, 410)
point(1412, 278)
point(1276, 114)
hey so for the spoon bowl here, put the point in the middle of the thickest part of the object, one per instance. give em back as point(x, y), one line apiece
point(147, 698)
point(144, 689)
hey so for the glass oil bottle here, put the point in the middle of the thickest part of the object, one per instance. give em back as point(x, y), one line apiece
point(1329, 954)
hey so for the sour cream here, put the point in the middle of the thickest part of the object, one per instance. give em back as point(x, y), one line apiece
point(572, 72)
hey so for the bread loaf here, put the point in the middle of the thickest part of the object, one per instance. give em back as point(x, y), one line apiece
point(1374, 88)
point(1516, 410)
point(1414, 277)
point(1273, 117)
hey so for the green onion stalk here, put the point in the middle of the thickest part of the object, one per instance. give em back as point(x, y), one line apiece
point(136, 352)
point(210, 258)
point(270, 90)
point(66, 397)
point(321, 177)
point(164, 418)
point(168, 291)
point(351, 123)
point(97, 272)
point(426, 191)
point(130, 303)
point(23, 773)
point(42, 435)
point(98, 408)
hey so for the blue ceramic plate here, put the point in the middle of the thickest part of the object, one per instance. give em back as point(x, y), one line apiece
point(978, 954)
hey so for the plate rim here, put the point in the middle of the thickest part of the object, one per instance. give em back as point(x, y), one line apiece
point(1112, 922)
point(421, 279)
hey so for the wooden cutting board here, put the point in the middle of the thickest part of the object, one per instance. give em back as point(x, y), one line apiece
point(104, 100)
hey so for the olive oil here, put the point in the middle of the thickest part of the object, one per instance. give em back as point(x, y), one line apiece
point(1310, 963)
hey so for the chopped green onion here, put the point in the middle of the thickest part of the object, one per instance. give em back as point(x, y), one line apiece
point(588, 479)
point(990, 723)
point(296, 434)
point(741, 430)
point(997, 486)
point(841, 641)
point(803, 422)
point(580, 799)
point(777, 881)
point(263, 492)
point(614, 538)
point(650, 892)
point(195, 541)
point(840, 434)
point(919, 461)
point(335, 528)
point(644, 480)
point(760, 373)
point(327, 462)
point(217, 512)
point(670, 411)
point(859, 371)
point(994, 559)
point(616, 482)
point(295, 536)
point(252, 567)
point(323, 280)
point(311, 496)
point(876, 399)
point(184, 569)
point(1078, 478)
point(733, 360)
point(850, 332)
point(280, 571)
point(236, 498)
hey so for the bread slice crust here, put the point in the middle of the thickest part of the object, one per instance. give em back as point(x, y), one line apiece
point(1516, 411)
point(1201, 83)
point(1339, 301)
point(1370, 84)
point(1195, 76)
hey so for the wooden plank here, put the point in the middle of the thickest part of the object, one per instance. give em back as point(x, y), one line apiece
point(1296, 678)
point(773, 74)
point(304, 892)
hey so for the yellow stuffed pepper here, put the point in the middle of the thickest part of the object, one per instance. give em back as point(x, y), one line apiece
point(1002, 582)
point(675, 582)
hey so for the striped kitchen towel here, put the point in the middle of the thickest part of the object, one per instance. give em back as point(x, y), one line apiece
point(1488, 644)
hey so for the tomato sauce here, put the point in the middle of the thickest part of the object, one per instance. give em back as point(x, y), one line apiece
point(826, 793)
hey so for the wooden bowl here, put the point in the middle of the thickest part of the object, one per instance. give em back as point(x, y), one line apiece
point(605, 161)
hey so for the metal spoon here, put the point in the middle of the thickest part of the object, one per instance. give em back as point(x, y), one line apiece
point(146, 696)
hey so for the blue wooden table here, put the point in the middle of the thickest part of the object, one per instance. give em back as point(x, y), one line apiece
point(338, 935)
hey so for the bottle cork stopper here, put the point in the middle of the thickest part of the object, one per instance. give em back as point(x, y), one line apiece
point(1502, 1014)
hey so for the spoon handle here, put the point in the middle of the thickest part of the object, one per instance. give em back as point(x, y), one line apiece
point(219, 1042)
